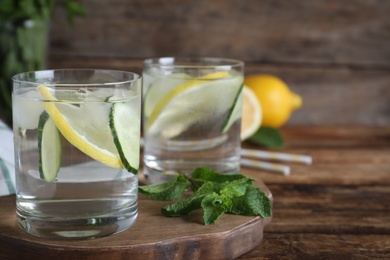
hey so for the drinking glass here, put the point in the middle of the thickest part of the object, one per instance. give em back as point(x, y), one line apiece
point(191, 115)
point(77, 141)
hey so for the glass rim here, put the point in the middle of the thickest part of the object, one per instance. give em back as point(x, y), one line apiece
point(193, 62)
point(18, 77)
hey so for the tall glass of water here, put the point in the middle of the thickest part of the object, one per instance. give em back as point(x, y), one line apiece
point(77, 141)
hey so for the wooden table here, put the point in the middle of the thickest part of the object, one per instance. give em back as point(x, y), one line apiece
point(337, 208)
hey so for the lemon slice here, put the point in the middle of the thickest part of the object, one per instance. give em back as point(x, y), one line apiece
point(159, 88)
point(90, 138)
point(201, 99)
point(251, 113)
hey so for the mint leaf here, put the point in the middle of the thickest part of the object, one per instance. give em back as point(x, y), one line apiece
point(171, 190)
point(213, 207)
point(236, 188)
point(214, 193)
point(268, 137)
point(253, 203)
point(233, 190)
point(205, 174)
point(206, 188)
point(183, 207)
point(201, 175)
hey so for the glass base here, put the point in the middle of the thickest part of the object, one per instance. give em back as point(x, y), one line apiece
point(193, 145)
point(78, 228)
point(158, 171)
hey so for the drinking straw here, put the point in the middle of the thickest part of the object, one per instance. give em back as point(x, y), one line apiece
point(276, 156)
point(285, 170)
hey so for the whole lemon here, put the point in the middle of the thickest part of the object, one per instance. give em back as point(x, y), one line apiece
point(276, 99)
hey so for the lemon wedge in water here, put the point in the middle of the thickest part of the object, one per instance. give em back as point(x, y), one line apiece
point(204, 98)
point(251, 113)
point(96, 142)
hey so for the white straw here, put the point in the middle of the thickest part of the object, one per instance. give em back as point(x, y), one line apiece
point(277, 156)
point(285, 170)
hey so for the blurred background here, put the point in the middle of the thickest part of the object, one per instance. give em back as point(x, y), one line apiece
point(334, 54)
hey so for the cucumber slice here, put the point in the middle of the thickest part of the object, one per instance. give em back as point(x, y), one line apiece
point(50, 148)
point(234, 112)
point(86, 126)
point(125, 129)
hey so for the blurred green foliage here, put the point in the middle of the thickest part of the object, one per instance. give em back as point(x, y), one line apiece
point(23, 31)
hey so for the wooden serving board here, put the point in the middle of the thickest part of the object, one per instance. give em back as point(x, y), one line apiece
point(153, 236)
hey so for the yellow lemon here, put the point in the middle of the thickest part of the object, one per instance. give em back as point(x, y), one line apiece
point(251, 113)
point(276, 99)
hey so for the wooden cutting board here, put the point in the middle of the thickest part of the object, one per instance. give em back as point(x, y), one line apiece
point(153, 236)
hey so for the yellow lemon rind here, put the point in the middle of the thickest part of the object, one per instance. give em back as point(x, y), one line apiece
point(73, 137)
point(165, 100)
point(253, 116)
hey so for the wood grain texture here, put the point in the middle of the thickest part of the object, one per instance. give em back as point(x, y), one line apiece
point(153, 236)
point(336, 55)
point(323, 32)
point(338, 207)
point(331, 96)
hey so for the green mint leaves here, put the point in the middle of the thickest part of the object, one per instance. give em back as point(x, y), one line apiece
point(215, 193)
point(267, 137)
point(170, 190)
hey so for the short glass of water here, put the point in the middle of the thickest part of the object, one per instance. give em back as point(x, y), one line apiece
point(77, 141)
point(191, 115)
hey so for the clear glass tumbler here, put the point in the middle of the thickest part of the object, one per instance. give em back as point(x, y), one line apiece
point(77, 141)
point(191, 115)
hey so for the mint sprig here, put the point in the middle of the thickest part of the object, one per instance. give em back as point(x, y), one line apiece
point(213, 193)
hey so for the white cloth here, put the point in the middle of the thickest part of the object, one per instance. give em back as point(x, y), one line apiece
point(7, 161)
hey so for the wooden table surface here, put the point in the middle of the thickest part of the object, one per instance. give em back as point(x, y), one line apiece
point(337, 208)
